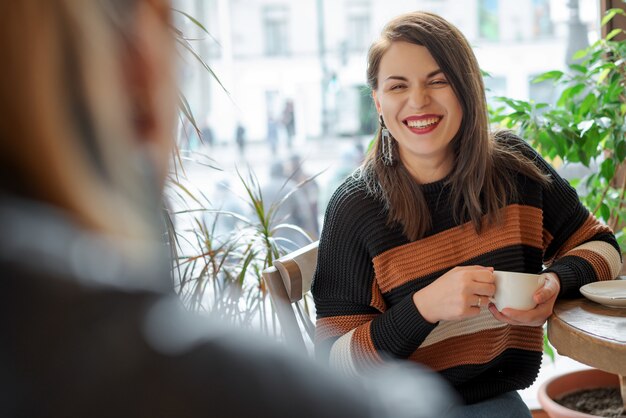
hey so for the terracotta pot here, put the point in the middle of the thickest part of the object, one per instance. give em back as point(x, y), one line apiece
point(572, 382)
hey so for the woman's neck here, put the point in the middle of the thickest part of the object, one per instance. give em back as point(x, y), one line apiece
point(428, 170)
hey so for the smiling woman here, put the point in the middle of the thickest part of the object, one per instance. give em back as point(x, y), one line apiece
point(419, 108)
point(411, 240)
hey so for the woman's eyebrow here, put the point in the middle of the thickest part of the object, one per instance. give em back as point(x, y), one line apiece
point(396, 77)
point(402, 78)
point(434, 73)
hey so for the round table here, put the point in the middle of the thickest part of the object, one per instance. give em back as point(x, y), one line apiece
point(592, 334)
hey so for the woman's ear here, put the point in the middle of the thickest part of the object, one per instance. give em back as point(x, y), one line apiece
point(376, 102)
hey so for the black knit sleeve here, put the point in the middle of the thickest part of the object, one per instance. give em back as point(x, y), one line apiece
point(355, 328)
point(577, 246)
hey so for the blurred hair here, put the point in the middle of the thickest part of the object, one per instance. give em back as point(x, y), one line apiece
point(66, 131)
point(479, 179)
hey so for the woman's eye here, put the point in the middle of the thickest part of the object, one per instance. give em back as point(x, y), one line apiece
point(397, 87)
point(439, 82)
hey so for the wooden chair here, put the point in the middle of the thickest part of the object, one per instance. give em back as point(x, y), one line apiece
point(288, 282)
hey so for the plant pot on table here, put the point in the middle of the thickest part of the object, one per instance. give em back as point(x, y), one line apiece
point(565, 384)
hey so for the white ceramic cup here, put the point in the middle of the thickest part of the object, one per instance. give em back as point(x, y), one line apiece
point(516, 290)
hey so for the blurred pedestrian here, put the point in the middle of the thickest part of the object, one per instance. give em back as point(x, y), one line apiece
point(289, 122)
point(272, 134)
point(207, 135)
point(240, 138)
point(222, 220)
point(289, 206)
point(309, 189)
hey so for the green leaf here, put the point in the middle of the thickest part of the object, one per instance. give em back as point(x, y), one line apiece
point(607, 169)
point(185, 44)
point(579, 68)
point(587, 104)
point(544, 139)
point(613, 34)
point(517, 105)
point(193, 19)
point(603, 75)
point(569, 93)
point(620, 151)
point(605, 212)
point(610, 14)
point(550, 75)
point(559, 143)
point(580, 54)
point(547, 348)
point(613, 92)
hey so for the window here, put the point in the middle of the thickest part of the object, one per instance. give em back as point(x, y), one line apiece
point(495, 86)
point(542, 92)
point(489, 28)
point(276, 30)
point(542, 24)
point(358, 25)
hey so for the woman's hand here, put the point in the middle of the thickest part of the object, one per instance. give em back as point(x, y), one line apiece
point(545, 298)
point(457, 294)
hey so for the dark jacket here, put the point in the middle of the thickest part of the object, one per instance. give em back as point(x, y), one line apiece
point(85, 334)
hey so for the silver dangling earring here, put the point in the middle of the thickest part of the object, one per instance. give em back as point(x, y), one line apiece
point(387, 144)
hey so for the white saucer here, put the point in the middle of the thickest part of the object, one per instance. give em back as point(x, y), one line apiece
point(610, 293)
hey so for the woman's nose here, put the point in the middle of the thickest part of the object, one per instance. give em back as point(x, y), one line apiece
point(419, 97)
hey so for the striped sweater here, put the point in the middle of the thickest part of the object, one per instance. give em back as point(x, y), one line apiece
point(367, 273)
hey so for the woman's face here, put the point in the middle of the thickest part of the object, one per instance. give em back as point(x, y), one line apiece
point(419, 108)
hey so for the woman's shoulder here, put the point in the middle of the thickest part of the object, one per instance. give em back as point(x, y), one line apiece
point(353, 190)
point(353, 199)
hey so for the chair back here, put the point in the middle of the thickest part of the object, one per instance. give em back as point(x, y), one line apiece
point(288, 281)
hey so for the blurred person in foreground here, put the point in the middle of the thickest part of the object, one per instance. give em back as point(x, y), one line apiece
point(90, 325)
point(411, 240)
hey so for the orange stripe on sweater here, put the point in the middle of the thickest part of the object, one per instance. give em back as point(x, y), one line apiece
point(586, 231)
point(478, 348)
point(547, 239)
point(364, 353)
point(377, 298)
point(599, 263)
point(522, 225)
point(336, 326)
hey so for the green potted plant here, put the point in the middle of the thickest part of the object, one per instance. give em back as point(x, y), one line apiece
point(216, 271)
point(586, 125)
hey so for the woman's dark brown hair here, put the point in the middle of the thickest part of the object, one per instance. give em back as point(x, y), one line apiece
point(481, 173)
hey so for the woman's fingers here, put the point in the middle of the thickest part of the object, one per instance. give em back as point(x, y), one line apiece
point(485, 289)
point(455, 295)
point(532, 317)
point(549, 290)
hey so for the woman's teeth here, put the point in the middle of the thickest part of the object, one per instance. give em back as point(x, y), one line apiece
point(422, 123)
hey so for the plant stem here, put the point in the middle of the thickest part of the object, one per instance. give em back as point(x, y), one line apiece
point(604, 192)
point(615, 219)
